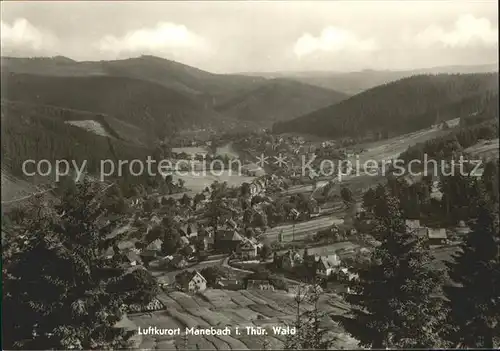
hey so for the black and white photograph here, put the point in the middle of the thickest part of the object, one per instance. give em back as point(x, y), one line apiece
point(250, 175)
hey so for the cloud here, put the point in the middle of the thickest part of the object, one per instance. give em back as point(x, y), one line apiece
point(23, 36)
point(164, 37)
point(333, 39)
point(467, 30)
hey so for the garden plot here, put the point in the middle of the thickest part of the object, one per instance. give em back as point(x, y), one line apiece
point(217, 342)
point(215, 319)
point(218, 298)
point(167, 301)
point(247, 314)
point(238, 318)
point(148, 343)
point(254, 342)
point(160, 319)
point(194, 342)
point(202, 301)
point(266, 311)
point(187, 320)
point(275, 300)
point(184, 300)
point(163, 345)
point(239, 299)
point(256, 300)
point(235, 344)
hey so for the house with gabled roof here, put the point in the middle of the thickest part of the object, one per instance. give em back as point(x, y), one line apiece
point(436, 236)
point(462, 228)
point(290, 260)
point(155, 245)
point(193, 282)
point(178, 262)
point(184, 241)
point(227, 240)
point(414, 226)
point(293, 214)
point(155, 219)
point(248, 250)
point(109, 253)
point(133, 258)
point(326, 265)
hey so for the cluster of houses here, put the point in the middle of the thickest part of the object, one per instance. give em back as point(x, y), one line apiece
point(432, 236)
point(325, 265)
point(194, 282)
point(195, 242)
point(228, 240)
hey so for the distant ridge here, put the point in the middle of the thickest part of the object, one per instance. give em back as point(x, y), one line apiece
point(355, 82)
point(399, 107)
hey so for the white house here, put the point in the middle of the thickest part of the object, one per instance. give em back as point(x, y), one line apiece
point(326, 265)
point(196, 283)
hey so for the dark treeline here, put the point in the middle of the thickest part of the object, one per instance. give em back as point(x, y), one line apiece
point(60, 290)
point(151, 107)
point(403, 106)
point(37, 137)
point(430, 307)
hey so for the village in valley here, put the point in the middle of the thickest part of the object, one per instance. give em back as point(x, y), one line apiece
point(241, 253)
point(250, 175)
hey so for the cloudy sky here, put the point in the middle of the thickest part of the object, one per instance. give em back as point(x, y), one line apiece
point(259, 36)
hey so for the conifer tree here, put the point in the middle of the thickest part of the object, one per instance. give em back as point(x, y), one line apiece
point(309, 333)
point(474, 298)
point(58, 287)
point(393, 299)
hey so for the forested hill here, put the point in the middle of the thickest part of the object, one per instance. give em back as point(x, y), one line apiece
point(143, 104)
point(403, 106)
point(170, 74)
point(279, 99)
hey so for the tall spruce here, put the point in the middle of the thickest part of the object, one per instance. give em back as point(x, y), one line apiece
point(394, 298)
point(474, 298)
point(58, 287)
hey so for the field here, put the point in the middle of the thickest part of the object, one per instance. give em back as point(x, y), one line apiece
point(391, 148)
point(330, 249)
point(200, 150)
point(221, 308)
point(486, 149)
point(191, 150)
point(301, 230)
point(197, 183)
point(90, 126)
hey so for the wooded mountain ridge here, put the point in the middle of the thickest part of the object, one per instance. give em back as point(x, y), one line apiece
point(399, 107)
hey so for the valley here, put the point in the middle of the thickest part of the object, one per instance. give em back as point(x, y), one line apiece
point(222, 247)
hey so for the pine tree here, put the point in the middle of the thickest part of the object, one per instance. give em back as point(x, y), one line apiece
point(393, 299)
point(309, 333)
point(490, 180)
point(57, 285)
point(475, 296)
